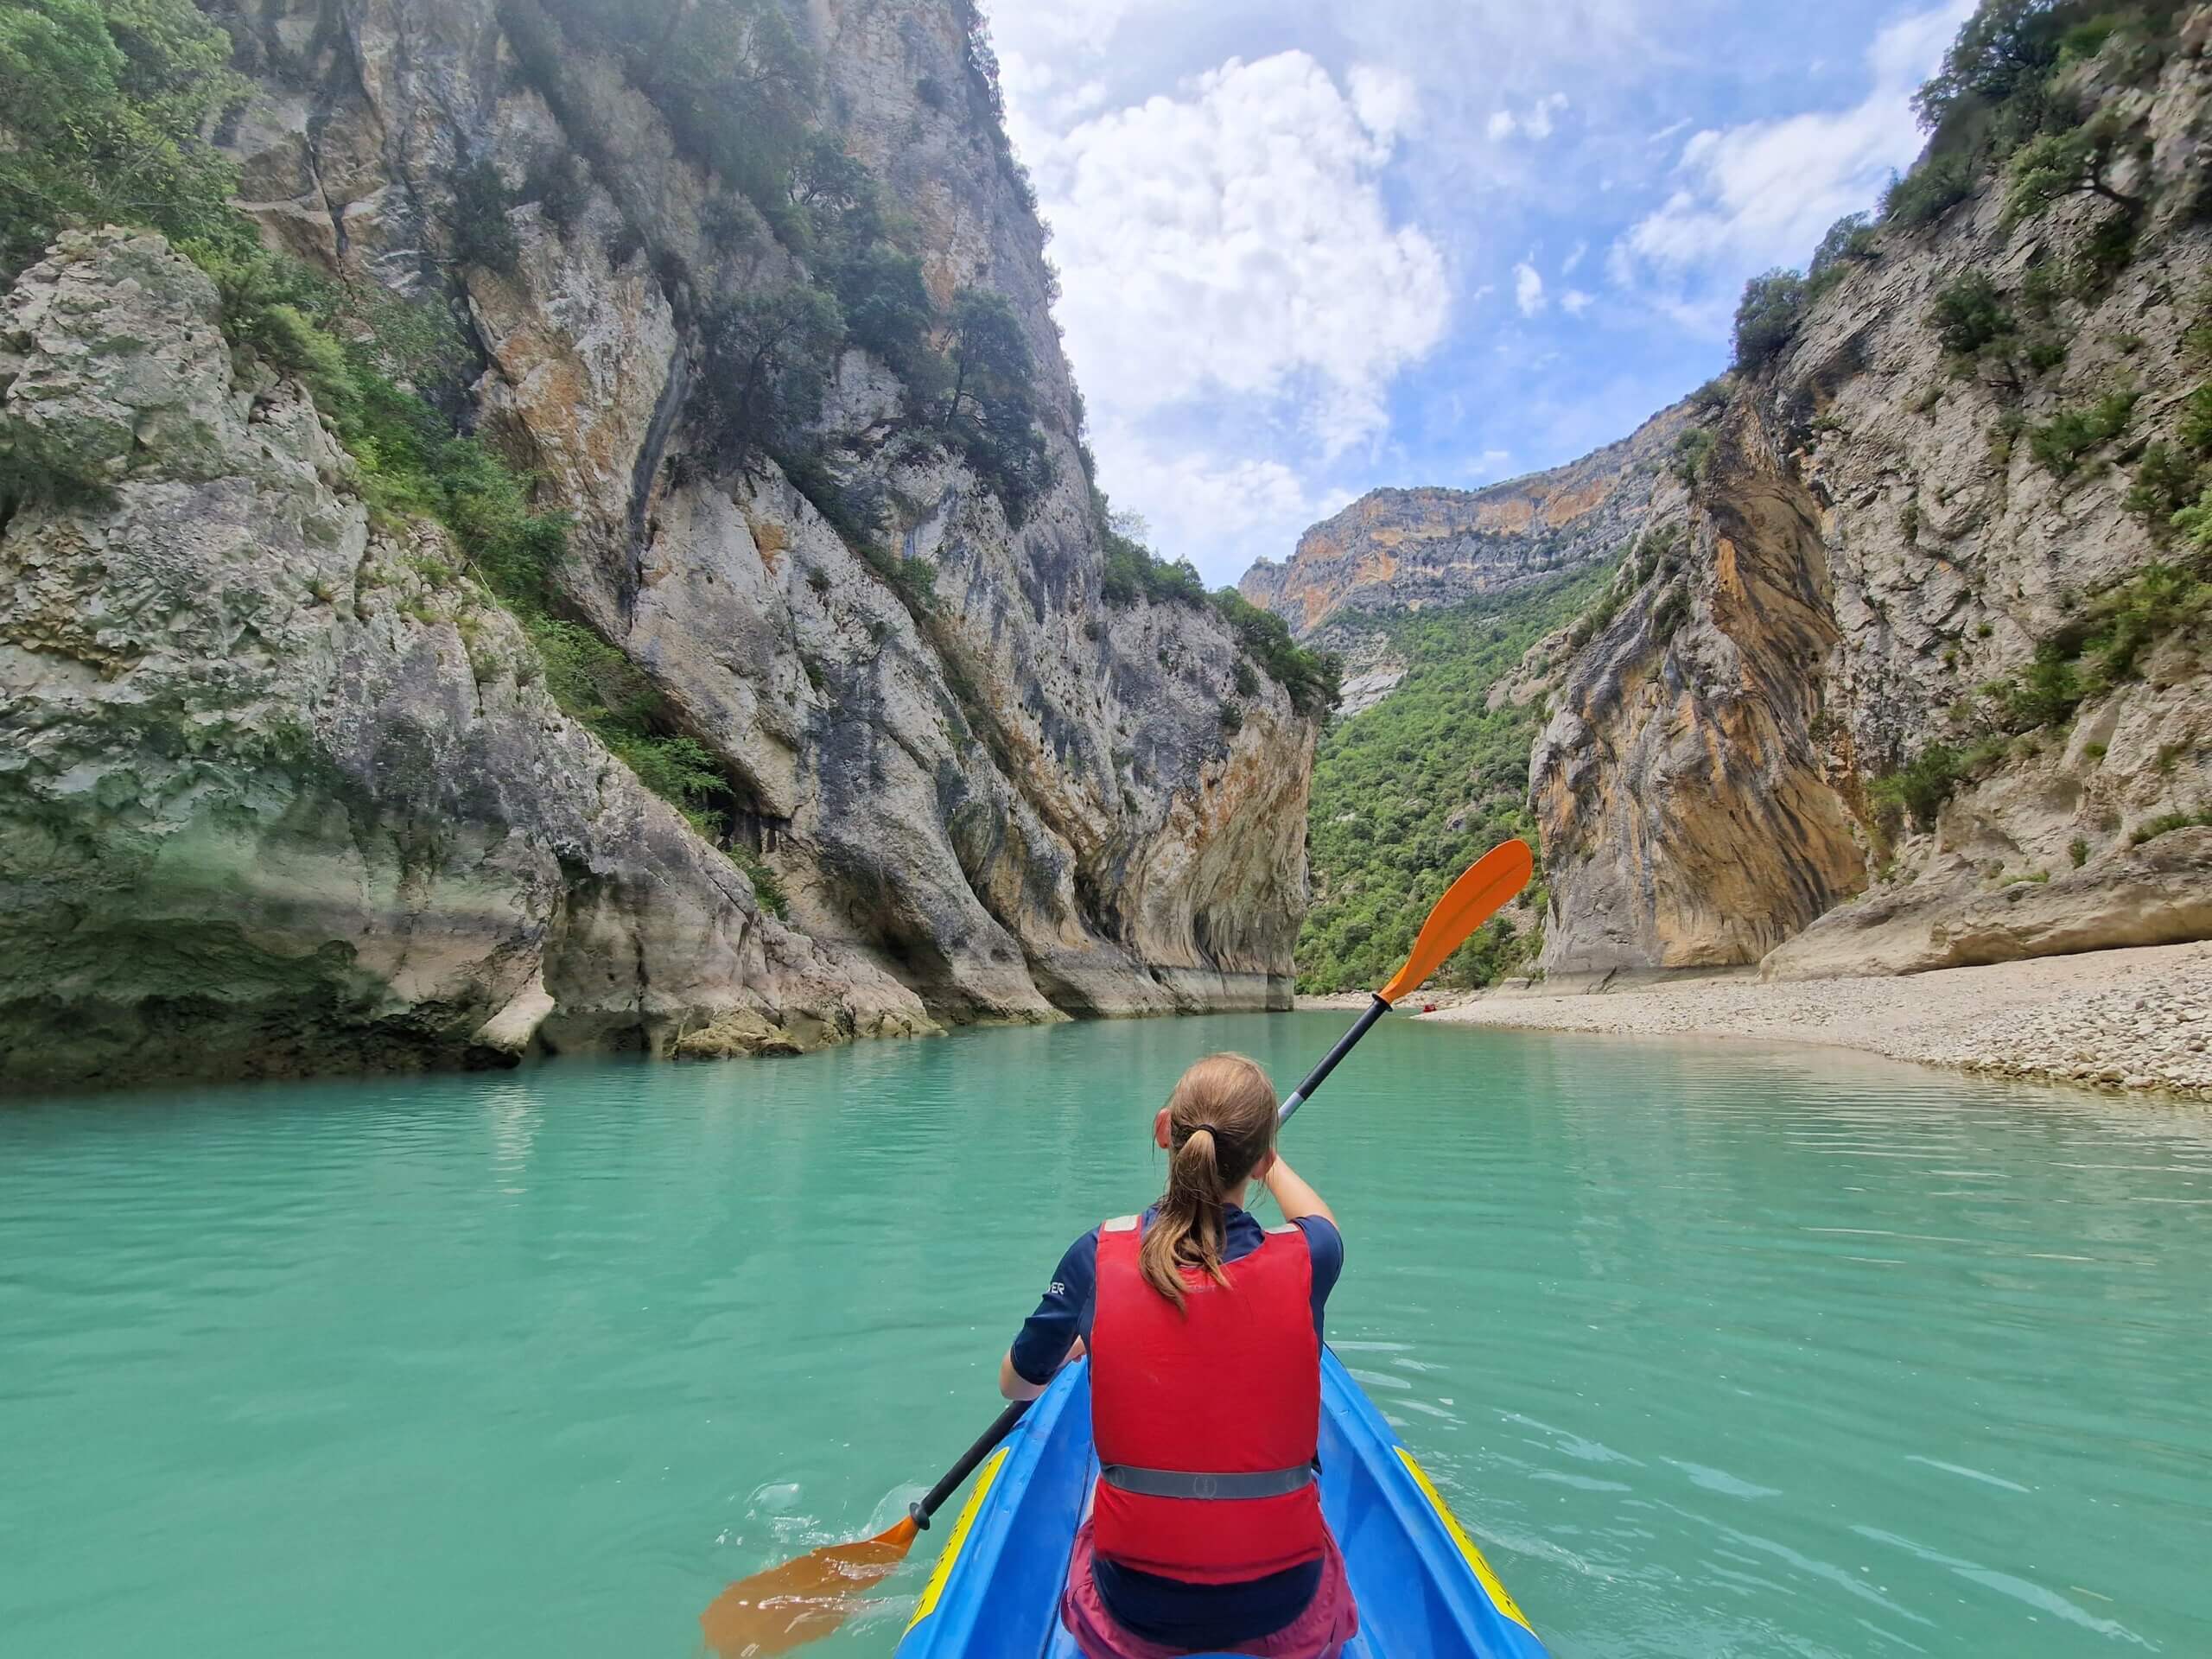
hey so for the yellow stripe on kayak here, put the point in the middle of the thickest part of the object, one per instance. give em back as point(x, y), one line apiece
point(949, 1557)
point(1492, 1587)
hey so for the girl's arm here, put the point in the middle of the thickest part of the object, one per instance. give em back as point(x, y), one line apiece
point(1296, 1199)
point(1015, 1386)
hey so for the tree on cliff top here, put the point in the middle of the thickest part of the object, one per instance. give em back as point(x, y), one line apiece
point(2005, 46)
point(102, 103)
point(1773, 306)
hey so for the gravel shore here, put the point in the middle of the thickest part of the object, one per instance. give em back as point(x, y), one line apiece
point(2136, 1019)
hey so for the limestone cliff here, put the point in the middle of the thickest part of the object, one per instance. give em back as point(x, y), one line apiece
point(987, 792)
point(1407, 549)
point(280, 793)
point(1929, 686)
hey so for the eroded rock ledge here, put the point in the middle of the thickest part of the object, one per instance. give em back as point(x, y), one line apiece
point(275, 795)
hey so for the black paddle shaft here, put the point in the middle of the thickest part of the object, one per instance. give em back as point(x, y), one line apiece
point(1320, 1074)
point(957, 1475)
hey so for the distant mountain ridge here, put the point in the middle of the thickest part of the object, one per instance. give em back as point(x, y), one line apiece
point(1397, 549)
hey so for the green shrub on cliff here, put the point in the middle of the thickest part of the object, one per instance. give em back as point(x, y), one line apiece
point(765, 357)
point(989, 409)
point(1312, 679)
point(1919, 198)
point(476, 218)
point(1921, 787)
point(1693, 454)
point(2004, 49)
point(1767, 319)
point(1970, 314)
point(732, 79)
point(2061, 442)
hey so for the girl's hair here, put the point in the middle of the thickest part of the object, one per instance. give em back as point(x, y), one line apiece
point(1221, 1122)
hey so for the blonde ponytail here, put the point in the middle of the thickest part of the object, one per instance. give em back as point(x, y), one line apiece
point(1221, 1123)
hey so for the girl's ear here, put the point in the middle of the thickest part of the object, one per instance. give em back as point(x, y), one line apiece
point(1160, 1133)
point(1262, 1169)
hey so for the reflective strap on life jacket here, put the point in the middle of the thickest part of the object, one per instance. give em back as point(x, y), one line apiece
point(1174, 1483)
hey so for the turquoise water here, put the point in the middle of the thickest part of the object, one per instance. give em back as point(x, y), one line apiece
point(1719, 1351)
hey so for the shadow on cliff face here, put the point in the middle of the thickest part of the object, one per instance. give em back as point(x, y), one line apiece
point(1688, 816)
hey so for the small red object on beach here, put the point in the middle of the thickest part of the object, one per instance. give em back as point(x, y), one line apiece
point(1429, 1007)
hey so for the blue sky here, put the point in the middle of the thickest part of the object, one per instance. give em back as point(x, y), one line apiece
point(1309, 247)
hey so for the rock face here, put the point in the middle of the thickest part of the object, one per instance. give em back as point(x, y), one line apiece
point(1007, 800)
point(279, 793)
point(1405, 549)
point(1685, 822)
point(1873, 561)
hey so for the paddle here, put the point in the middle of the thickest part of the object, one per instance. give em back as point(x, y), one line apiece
point(788, 1605)
point(1485, 889)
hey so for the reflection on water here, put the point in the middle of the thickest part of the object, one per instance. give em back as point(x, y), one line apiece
point(1720, 1351)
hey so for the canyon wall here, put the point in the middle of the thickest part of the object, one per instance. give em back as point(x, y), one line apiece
point(984, 792)
point(1926, 686)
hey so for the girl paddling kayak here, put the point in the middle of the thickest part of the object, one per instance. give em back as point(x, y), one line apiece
point(1204, 1330)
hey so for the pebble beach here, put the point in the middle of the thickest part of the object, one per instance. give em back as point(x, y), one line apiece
point(2124, 1019)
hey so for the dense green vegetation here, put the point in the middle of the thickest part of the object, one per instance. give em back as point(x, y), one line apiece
point(1410, 793)
point(133, 82)
point(1773, 306)
point(104, 102)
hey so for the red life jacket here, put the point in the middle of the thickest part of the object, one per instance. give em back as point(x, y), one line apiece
point(1212, 1403)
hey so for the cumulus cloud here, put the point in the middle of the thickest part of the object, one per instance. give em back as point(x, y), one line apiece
point(1574, 302)
point(1234, 240)
point(1528, 290)
point(1387, 103)
point(1503, 125)
point(1762, 193)
point(1222, 511)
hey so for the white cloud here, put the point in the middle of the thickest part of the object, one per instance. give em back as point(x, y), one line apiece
point(1222, 512)
point(1234, 240)
point(1528, 290)
point(1762, 195)
point(1574, 302)
point(1492, 463)
point(1387, 103)
point(1581, 252)
point(1539, 122)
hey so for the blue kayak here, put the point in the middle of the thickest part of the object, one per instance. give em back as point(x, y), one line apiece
point(1424, 1590)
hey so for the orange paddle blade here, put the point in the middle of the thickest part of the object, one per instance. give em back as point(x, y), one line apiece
point(1474, 898)
point(804, 1600)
